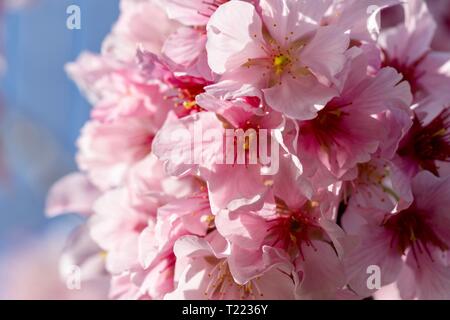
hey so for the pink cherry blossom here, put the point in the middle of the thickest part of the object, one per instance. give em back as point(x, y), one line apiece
point(297, 231)
point(418, 233)
point(406, 47)
point(116, 89)
point(207, 260)
point(131, 29)
point(191, 12)
point(346, 131)
point(426, 144)
point(185, 50)
point(108, 150)
point(116, 226)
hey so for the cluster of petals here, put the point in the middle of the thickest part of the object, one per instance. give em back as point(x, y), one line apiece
point(357, 121)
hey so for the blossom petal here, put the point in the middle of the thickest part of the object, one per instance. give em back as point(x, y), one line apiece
point(234, 36)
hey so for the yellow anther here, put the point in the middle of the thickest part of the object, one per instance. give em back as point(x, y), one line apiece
point(412, 234)
point(337, 112)
point(209, 219)
point(314, 204)
point(293, 238)
point(440, 133)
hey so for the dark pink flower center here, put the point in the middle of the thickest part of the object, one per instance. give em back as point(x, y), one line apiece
point(327, 123)
point(410, 72)
point(425, 144)
point(293, 229)
point(246, 138)
point(210, 6)
point(187, 89)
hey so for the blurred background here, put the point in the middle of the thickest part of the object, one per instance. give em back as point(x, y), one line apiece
point(41, 113)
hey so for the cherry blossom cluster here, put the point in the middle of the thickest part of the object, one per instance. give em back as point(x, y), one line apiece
point(346, 194)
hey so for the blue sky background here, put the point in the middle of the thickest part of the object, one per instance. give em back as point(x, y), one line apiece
point(42, 110)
